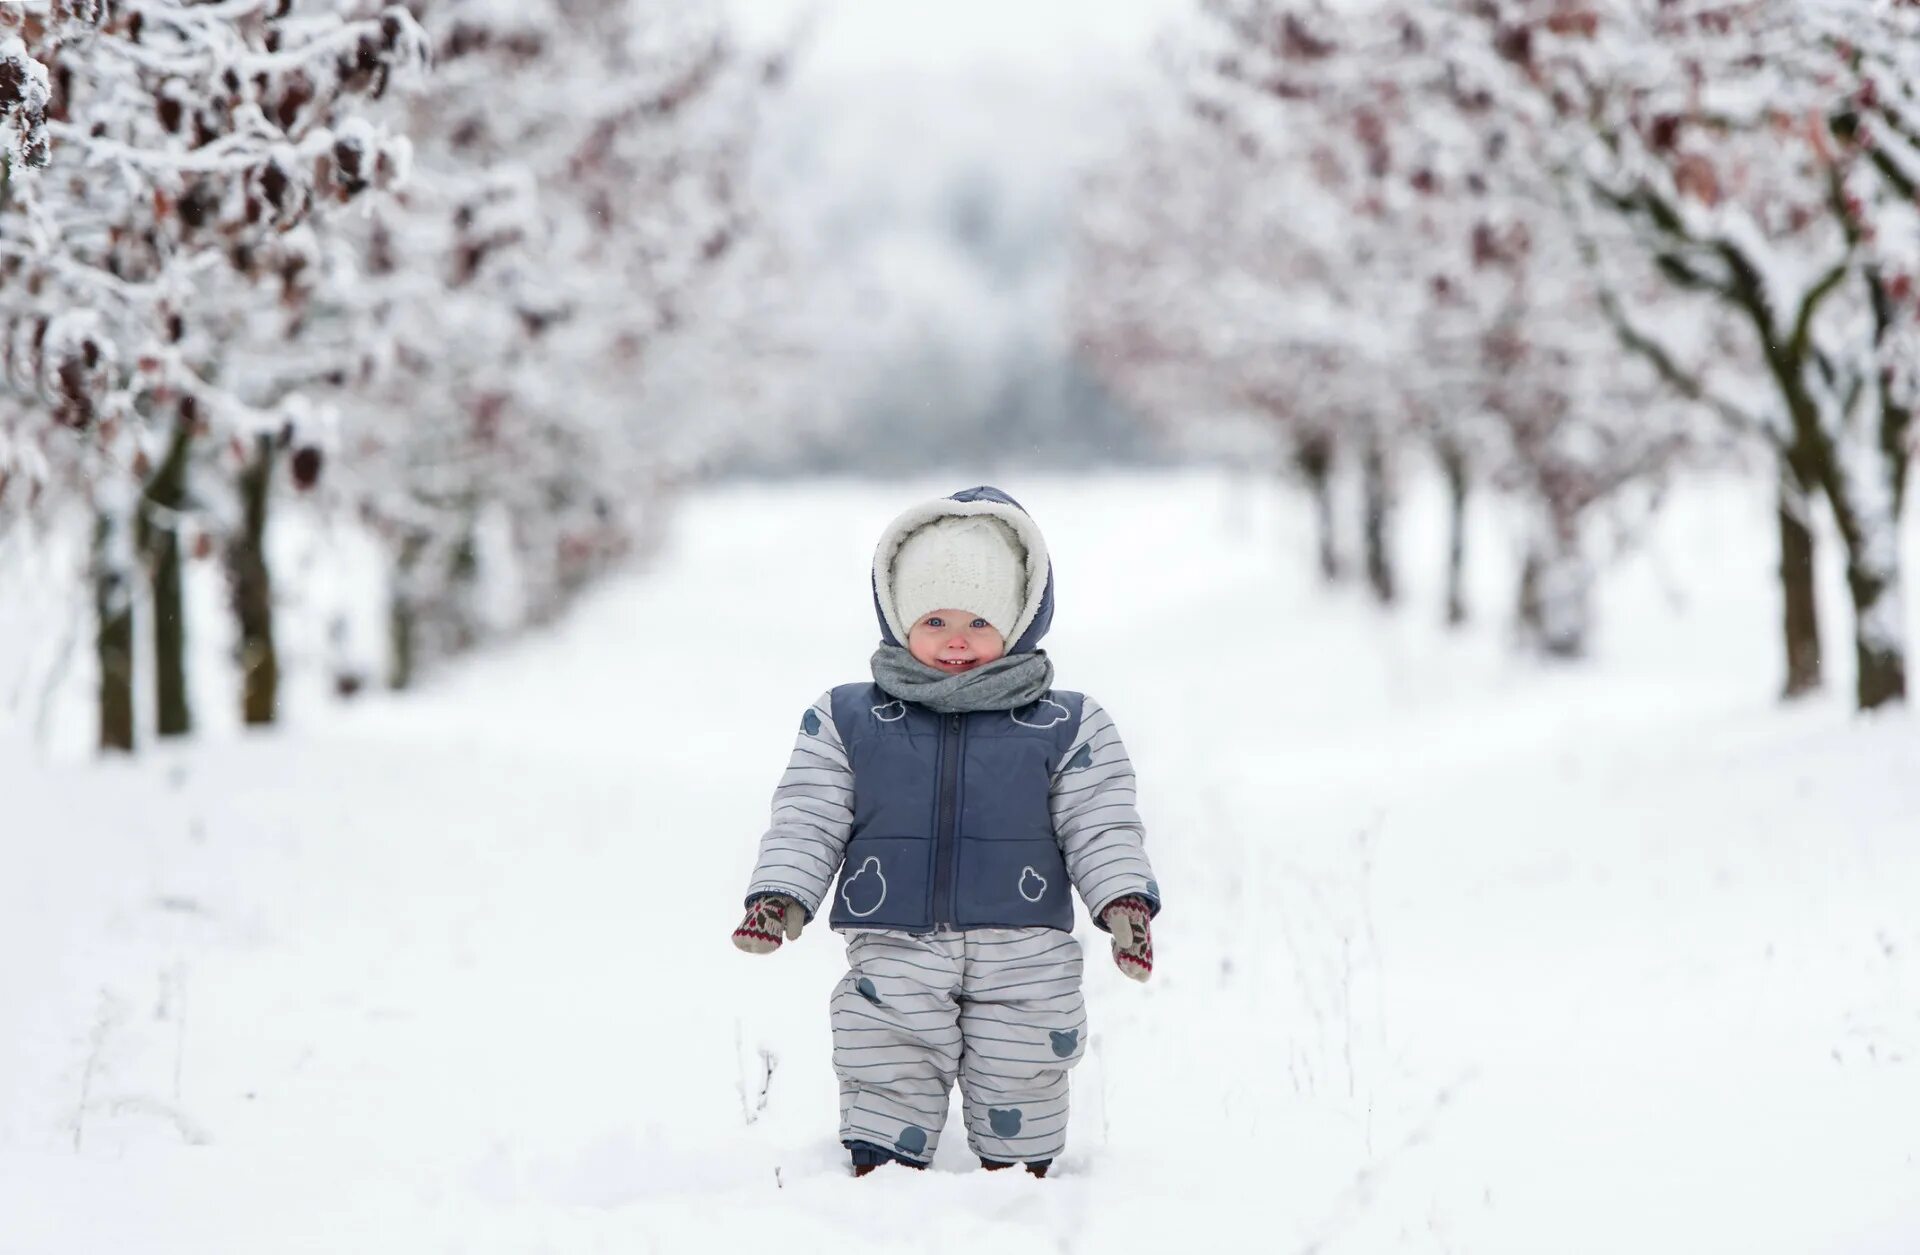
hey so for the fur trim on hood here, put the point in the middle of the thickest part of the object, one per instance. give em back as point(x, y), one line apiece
point(1036, 612)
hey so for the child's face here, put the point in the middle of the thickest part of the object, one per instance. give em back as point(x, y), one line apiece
point(954, 640)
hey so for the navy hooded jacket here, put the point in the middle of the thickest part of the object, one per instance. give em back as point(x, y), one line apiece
point(957, 821)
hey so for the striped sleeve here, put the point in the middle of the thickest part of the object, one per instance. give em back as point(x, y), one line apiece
point(1096, 820)
point(812, 814)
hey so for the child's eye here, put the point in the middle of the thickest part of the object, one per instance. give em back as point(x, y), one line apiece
point(936, 622)
point(978, 623)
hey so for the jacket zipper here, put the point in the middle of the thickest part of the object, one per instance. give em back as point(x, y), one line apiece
point(945, 849)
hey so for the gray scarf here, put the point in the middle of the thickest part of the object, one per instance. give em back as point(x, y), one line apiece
point(1004, 684)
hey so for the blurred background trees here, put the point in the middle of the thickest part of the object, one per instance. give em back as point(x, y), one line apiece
point(196, 326)
point(168, 168)
point(580, 183)
point(466, 290)
point(1570, 246)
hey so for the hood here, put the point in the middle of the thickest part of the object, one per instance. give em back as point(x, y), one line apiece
point(1036, 613)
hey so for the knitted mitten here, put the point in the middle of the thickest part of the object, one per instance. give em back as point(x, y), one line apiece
point(769, 917)
point(1130, 920)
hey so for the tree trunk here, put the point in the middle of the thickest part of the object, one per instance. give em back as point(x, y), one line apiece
point(1453, 464)
point(1801, 619)
point(1377, 520)
point(1866, 510)
point(113, 617)
point(1879, 647)
point(401, 625)
point(1313, 455)
point(251, 583)
point(403, 616)
point(1864, 484)
point(1556, 593)
point(159, 540)
point(459, 627)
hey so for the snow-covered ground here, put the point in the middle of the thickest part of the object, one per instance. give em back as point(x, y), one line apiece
point(1460, 954)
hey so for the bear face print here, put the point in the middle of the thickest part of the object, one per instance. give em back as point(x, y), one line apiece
point(865, 890)
point(1041, 714)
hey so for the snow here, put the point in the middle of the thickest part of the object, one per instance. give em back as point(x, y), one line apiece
point(1460, 953)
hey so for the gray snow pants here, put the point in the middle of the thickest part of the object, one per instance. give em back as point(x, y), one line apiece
point(998, 1008)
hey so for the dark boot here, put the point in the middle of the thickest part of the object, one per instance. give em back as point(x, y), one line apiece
point(867, 1157)
point(1038, 1168)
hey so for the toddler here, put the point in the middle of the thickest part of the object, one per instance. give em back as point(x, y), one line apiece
point(955, 797)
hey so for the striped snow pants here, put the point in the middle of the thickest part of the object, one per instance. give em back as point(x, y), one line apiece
point(997, 1008)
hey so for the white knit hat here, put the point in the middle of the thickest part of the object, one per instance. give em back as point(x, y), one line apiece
point(968, 562)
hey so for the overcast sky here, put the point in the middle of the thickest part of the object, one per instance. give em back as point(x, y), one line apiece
point(919, 167)
point(1063, 36)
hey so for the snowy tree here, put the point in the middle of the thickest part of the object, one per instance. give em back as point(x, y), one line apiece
point(1386, 261)
point(580, 197)
point(1514, 346)
point(1290, 85)
point(1765, 156)
point(1194, 300)
point(164, 164)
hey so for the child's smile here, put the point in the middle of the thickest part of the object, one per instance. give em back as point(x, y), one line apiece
point(954, 641)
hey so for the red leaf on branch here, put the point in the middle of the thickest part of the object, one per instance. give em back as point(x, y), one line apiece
point(1696, 179)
